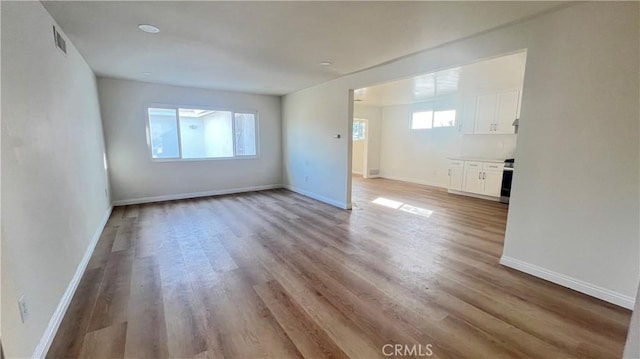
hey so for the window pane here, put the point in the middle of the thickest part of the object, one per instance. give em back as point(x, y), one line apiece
point(163, 128)
point(421, 120)
point(359, 129)
point(444, 118)
point(245, 124)
point(217, 134)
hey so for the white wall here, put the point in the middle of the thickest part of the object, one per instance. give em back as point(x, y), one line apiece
point(632, 347)
point(574, 204)
point(53, 177)
point(134, 177)
point(415, 156)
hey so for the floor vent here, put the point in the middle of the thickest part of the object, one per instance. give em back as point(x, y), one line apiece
point(61, 44)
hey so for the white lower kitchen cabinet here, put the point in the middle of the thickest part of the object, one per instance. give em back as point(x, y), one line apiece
point(492, 183)
point(476, 178)
point(473, 181)
point(456, 174)
point(456, 178)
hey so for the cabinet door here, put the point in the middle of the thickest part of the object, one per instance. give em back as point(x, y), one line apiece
point(492, 183)
point(486, 113)
point(473, 181)
point(468, 115)
point(455, 178)
point(507, 112)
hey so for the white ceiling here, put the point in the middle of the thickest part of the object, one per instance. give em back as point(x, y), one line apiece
point(501, 73)
point(266, 47)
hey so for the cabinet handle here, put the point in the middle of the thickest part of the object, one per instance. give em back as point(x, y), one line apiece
point(449, 171)
point(484, 175)
point(479, 175)
point(495, 127)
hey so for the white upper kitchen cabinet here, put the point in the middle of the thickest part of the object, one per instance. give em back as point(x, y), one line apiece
point(492, 113)
point(507, 112)
point(486, 108)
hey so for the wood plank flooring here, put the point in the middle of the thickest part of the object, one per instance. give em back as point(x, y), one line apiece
point(274, 274)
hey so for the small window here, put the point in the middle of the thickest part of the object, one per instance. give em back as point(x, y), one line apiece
point(444, 118)
point(191, 133)
point(422, 120)
point(359, 129)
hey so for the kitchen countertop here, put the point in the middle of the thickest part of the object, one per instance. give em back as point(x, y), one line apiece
point(476, 159)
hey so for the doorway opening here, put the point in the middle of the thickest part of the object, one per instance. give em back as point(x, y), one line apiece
point(452, 131)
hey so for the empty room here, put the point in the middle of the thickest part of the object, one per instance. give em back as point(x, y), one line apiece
point(310, 179)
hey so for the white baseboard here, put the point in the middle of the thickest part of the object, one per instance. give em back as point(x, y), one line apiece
point(343, 205)
point(411, 180)
point(51, 330)
point(171, 197)
point(569, 282)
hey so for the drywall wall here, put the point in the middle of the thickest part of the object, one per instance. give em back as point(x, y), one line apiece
point(574, 203)
point(373, 115)
point(53, 174)
point(135, 177)
point(632, 347)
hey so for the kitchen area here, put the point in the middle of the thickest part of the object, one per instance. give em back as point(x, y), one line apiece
point(455, 128)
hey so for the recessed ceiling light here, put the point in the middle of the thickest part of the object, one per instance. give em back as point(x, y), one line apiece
point(326, 63)
point(149, 28)
point(146, 73)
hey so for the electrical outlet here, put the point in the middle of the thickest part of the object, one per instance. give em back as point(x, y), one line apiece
point(22, 304)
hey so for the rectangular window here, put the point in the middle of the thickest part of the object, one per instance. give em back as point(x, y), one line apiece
point(359, 128)
point(192, 133)
point(444, 118)
point(431, 119)
point(422, 120)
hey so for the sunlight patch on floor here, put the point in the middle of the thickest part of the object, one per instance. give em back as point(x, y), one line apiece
point(402, 207)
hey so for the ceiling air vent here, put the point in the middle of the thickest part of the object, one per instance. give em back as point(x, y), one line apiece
point(59, 41)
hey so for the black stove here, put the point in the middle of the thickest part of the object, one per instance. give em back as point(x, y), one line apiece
point(507, 177)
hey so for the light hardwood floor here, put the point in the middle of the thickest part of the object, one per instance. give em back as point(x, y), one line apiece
point(274, 274)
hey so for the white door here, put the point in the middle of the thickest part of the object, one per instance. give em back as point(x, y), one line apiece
point(507, 112)
point(468, 115)
point(473, 181)
point(455, 179)
point(486, 113)
point(492, 183)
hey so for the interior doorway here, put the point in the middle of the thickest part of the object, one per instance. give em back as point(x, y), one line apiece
point(453, 130)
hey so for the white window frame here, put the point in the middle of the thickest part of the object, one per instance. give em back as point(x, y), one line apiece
point(207, 108)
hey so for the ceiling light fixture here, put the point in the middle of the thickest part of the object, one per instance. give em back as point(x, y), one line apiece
point(146, 73)
point(149, 28)
point(326, 63)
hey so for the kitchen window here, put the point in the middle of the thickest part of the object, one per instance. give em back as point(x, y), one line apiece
point(422, 120)
point(177, 133)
